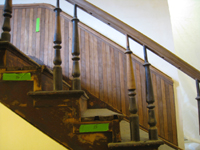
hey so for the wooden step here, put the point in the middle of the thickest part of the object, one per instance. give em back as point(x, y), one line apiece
point(100, 115)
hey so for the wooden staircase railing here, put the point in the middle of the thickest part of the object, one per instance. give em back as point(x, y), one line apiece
point(146, 42)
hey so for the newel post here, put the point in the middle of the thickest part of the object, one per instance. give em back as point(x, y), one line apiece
point(198, 100)
point(153, 133)
point(76, 82)
point(5, 35)
point(57, 69)
point(134, 119)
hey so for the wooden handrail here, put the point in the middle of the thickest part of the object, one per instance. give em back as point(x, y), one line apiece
point(138, 37)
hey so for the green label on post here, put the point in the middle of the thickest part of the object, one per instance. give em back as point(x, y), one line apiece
point(16, 76)
point(37, 25)
point(94, 127)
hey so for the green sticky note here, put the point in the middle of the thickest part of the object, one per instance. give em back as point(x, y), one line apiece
point(37, 25)
point(94, 127)
point(16, 76)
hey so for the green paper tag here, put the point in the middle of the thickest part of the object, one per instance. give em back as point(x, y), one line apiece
point(94, 127)
point(16, 76)
point(37, 25)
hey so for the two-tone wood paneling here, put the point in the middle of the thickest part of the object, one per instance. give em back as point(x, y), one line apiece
point(103, 71)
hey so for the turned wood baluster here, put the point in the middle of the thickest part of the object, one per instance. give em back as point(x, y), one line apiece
point(76, 82)
point(153, 134)
point(5, 35)
point(198, 100)
point(134, 119)
point(57, 69)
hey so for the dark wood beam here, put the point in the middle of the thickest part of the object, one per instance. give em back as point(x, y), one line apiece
point(138, 37)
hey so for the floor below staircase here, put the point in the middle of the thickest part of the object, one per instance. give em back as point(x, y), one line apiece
point(190, 145)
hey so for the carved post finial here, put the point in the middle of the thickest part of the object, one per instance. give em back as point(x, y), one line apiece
point(134, 119)
point(76, 82)
point(198, 100)
point(153, 133)
point(5, 35)
point(57, 69)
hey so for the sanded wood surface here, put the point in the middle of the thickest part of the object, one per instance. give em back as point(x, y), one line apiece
point(103, 64)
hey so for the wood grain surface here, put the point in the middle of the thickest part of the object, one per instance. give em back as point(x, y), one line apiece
point(103, 64)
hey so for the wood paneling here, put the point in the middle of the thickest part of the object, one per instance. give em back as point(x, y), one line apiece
point(103, 71)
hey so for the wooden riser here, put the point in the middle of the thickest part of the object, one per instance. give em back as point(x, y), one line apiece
point(56, 122)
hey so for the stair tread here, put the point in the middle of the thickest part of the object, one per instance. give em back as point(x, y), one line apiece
point(98, 112)
point(125, 135)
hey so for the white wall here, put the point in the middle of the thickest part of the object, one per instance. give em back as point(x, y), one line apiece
point(186, 32)
point(152, 18)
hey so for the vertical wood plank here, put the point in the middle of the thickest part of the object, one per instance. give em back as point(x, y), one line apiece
point(62, 25)
point(37, 34)
point(26, 33)
point(52, 37)
point(33, 50)
point(66, 50)
point(79, 37)
point(12, 24)
point(168, 108)
point(104, 58)
point(42, 34)
point(18, 27)
point(96, 69)
point(109, 82)
point(1, 20)
point(126, 88)
point(46, 42)
point(70, 50)
point(15, 26)
point(87, 59)
point(30, 32)
point(160, 105)
point(51, 34)
point(122, 84)
point(156, 101)
point(164, 108)
point(82, 47)
point(139, 94)
point(113, 77)
point(92, 75)
point(172, 108)
point(100, 67)
point(23, 30)
point(143, 95)
point(117, 75)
